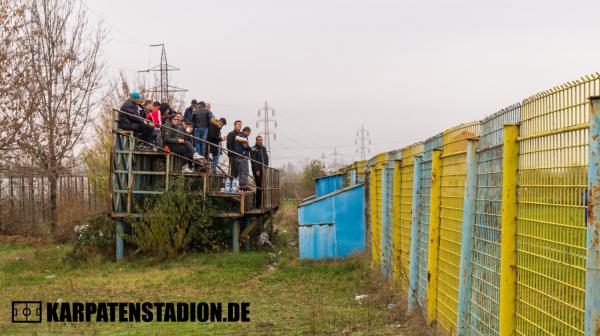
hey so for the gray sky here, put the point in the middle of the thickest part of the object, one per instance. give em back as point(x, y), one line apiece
point(406, 70)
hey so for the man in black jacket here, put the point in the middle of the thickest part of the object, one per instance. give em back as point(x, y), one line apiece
point(259, 157)
point(237, 127)
point(130, 120)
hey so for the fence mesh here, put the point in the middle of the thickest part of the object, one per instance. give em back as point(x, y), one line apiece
point(454, 173)
point(552, 184)
point(25, 201)
point(428, 147)
point(377, 198)
point(406, 175)
point(387, 216)
point(485, 284)
point(550, 224)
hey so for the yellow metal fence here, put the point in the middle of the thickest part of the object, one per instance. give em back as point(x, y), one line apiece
point(550, 222)
point(404, 200)
point(454, 173)
point(552, 184)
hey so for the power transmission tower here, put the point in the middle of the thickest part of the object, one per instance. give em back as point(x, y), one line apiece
point(266, 123)
point(361, 143)
point(164, 88)
point(335, 155)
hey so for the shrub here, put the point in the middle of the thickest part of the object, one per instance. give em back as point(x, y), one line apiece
point(175, 221)
point(94, 240)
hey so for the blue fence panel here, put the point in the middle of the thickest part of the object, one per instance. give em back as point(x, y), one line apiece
point(485, 273)
point(428, 146)
point(387, 217)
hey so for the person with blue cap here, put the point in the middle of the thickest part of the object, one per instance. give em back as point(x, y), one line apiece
point(130, 120)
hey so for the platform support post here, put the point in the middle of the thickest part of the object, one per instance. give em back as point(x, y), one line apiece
point(235, 233)
point(120, 247)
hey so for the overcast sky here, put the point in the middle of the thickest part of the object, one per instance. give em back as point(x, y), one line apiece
point(406, 70)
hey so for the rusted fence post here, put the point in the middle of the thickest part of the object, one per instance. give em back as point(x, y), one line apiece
point(413, 267)
point(466, 247)
point(434, 235)
point(592, 273)
point(508, 252)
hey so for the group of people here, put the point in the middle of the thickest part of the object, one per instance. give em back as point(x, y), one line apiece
point(194, 135)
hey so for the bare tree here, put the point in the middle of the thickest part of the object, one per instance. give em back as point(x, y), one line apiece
point(14, 65)
point(96, 156)
point(67, 63)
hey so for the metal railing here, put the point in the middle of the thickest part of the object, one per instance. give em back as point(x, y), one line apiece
point(216, 182)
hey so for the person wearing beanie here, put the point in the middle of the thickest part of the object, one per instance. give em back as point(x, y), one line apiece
point(130, 120)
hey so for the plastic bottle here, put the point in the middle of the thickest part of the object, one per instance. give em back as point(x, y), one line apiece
point(234, 185)
point(227, 185)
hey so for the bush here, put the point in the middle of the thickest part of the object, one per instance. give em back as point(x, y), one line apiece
point(175, 221)
point(95, 240)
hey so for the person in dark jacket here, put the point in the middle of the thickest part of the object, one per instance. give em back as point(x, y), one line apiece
point(242, 148)
point(166, 112)
point(130, 120)
point(214, 138)
point(176, 142)
point(237, 127)
point(187, 115)
point(259, 157)
point(200, 120)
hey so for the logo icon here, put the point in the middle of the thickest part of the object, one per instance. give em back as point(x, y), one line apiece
point(26, 311)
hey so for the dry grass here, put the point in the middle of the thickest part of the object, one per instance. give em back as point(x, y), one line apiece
point(287, 296)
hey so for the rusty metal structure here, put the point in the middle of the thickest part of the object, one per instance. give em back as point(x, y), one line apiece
point(136, 174)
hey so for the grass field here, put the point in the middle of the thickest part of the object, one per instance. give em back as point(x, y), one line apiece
point(290, 298)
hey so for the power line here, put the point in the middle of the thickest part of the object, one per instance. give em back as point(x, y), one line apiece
point(335, 164)
point(266, 124)
point(164, 88)
point(361, 141)
point(131, 38)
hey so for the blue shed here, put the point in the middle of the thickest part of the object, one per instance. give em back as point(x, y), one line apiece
point(333, 225)
point(328, 184)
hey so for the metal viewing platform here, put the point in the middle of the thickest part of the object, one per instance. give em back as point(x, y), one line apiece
point(138, 173)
